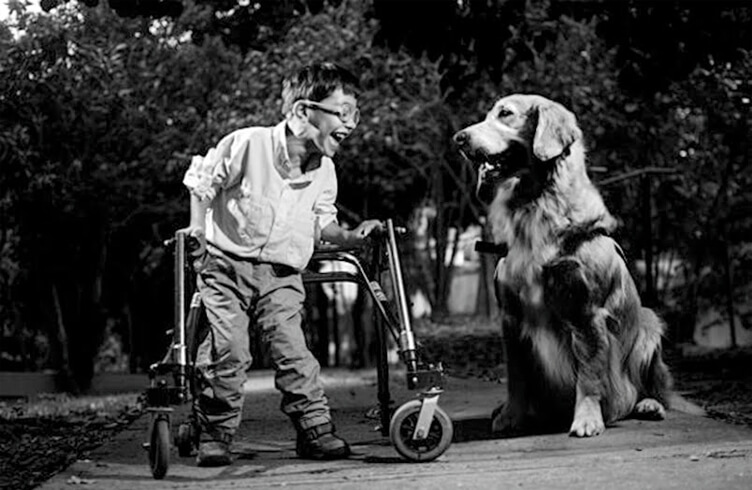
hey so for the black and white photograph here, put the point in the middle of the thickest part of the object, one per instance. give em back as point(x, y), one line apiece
point(375, 244)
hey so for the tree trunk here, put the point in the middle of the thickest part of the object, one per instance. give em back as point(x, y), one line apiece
point(85, 311)
point(729, 286)
point(647, 223)
point(66, 379)
point(440, 239)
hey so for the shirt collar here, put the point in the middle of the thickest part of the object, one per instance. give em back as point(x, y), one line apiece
point(282, 157)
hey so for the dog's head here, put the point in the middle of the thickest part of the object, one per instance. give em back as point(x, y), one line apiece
point(520, 134)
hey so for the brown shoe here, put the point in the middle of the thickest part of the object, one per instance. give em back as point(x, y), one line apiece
point(213, 453)
point(319, 442)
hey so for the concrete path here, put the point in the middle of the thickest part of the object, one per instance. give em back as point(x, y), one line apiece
point(683, 452)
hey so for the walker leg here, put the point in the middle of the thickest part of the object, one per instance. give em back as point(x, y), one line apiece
point(382, 376)
point(430, 401)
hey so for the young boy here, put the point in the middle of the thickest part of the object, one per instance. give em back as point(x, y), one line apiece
point(261, 198)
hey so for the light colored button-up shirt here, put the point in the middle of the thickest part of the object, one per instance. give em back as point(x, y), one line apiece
point(259, 210)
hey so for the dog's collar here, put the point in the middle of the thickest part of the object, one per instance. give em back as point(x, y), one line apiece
point(572, 238)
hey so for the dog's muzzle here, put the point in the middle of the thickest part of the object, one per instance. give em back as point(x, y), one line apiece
point(463, 140)
point(492, 169)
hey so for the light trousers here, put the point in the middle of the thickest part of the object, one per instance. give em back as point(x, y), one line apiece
point(237, 293)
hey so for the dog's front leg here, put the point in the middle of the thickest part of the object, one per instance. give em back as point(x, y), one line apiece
point(590, 347)
point(588, 418)
point(568, 293)
point(509, 418)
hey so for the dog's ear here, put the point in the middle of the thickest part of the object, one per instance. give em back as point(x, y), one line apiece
point(556, 130)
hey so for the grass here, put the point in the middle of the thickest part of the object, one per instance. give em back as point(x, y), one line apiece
point(62, 405)
point(42, 436)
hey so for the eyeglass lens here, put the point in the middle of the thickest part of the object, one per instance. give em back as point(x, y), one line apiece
point(349, 112)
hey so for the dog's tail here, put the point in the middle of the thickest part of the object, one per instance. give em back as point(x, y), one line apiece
point(659, 384)
point(657, 380)
point(677, 402)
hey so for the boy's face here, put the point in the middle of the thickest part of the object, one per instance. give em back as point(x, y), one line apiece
point(332, 120)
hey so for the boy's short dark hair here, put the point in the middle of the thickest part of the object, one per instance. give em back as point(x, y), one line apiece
point(316, 82)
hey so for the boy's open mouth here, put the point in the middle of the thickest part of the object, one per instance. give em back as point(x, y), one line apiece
point(339, 136)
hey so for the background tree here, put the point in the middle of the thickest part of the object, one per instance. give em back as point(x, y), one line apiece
point(646, 63)
point(96, 111)
point(102, 107)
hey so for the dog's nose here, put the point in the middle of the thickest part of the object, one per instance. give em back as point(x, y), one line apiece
point(460, 138)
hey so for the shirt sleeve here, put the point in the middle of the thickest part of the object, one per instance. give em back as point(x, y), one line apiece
point(218, 168)
point(325, 209)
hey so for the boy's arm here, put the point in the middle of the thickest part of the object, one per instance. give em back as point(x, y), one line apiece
point(198, 214)
point(337, 235)
point(206, 175)
point(197, 226)
point(326, 213)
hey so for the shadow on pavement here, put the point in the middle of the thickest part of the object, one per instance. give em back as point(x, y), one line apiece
point(472, 429)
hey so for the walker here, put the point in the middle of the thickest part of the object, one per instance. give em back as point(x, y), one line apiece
point(419, 430)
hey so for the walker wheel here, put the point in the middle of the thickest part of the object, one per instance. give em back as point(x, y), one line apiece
point(159, 448)
point(402, 427)
point(185, 440)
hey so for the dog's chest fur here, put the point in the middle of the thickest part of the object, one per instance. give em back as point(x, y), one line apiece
point(520, 275)
point(532, 233)
point(533, 245)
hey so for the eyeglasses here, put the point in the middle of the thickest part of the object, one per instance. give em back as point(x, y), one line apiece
point(344, 112)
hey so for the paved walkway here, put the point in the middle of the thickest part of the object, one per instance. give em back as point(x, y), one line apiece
point(683, 452)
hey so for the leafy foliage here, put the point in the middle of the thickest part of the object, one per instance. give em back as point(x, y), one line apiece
point(100, 113)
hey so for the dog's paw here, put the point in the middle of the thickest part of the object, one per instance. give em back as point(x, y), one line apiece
point(649, 409)
point(504, 422)
point(588, 420)
point(587, 427)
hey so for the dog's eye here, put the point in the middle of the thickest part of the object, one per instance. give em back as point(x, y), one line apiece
point(504, 112)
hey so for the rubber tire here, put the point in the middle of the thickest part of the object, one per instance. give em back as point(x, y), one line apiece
point(403, 425)
point(184, 440)
point(159, 448)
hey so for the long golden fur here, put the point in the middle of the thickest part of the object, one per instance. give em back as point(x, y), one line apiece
point(581, 349)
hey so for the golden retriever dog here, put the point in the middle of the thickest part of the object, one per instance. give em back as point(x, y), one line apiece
point(581, 350)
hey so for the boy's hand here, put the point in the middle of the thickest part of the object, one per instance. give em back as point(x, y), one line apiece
point(196, 244)
point(366, 228)
point(334, 233)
